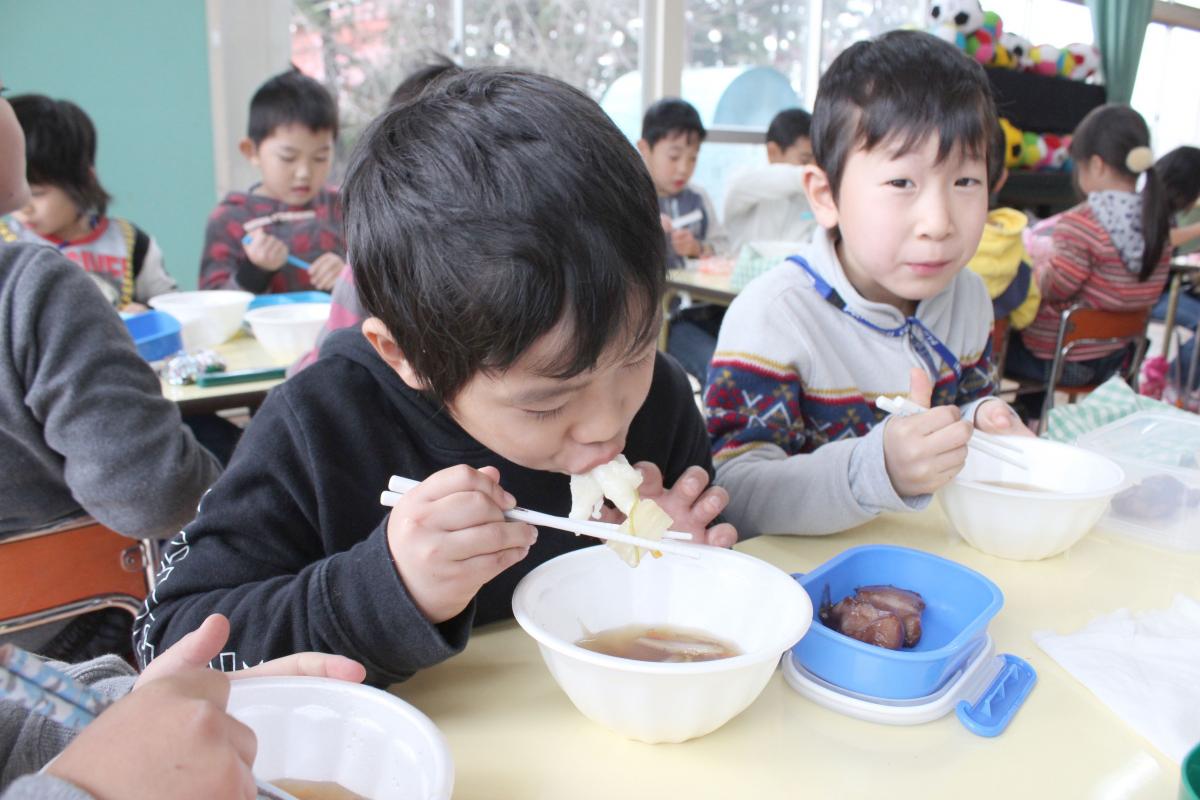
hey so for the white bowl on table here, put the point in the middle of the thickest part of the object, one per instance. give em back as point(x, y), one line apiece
point(208, 317)
point(320, 729)
point(288, 331)
point(1074, 489)
point(734, 597)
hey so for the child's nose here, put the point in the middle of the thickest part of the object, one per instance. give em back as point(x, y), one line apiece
point(934, 220)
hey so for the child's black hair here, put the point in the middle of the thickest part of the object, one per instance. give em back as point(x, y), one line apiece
point(494, 207)
point(1112, 131)
point(901, 88)
point(60, 149)
point(788, 126)
point(291, 98)
point(672, 117)
point(1180, 174)
point(438, 67)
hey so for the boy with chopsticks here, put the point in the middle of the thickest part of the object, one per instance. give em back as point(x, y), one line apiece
point(877, 304)
point(507, 245)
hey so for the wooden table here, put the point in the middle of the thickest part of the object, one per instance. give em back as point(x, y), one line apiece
point(1187, 266)
point(702, 286)
point(514, 734)
point(241, 352)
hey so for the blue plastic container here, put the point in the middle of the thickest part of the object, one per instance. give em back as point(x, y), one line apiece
point(959, 602)
point(156, 334)
point(283, 298)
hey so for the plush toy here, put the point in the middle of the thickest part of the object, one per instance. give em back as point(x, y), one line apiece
point(1018, 49)
point(982, 43)
point(1045, 59)
point(1031, 149)
point(1051, 147)
point(950, 34)
point(1085, 61)
point(1012, 144)
point(965, 15)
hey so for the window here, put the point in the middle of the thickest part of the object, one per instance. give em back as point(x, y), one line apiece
point(1054, 22)
point(363, 48)
point(1173, 113)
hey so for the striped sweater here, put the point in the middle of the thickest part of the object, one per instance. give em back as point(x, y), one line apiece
point(1087, 269)
point(791, 389)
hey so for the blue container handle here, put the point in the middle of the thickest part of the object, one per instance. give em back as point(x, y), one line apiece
point(990, 714)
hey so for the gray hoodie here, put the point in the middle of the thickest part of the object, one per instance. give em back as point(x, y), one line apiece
point(84, 427)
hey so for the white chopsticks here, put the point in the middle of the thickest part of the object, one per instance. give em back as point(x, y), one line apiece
point(397, 486)
point(987, 443)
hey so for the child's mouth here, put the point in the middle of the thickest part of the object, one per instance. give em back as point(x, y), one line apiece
point(928, 267)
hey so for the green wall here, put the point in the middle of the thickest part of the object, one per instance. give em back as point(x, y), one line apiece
point(140, 70)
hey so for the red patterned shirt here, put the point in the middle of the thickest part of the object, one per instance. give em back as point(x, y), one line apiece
point(1087, 269)
point(308, 231)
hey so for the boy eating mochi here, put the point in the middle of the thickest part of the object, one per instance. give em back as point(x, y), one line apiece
point(507, 247)
point(877, 304)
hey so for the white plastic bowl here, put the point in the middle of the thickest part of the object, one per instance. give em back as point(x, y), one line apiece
point(1029, 525)
point(289, 331)
point(367, 740)
point(732, 596)
point(208, 318)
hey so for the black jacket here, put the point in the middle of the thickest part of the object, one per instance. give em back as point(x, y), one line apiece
point(291, 542)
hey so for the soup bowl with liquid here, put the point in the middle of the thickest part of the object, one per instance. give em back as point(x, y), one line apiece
point(723, 598)
point(322, 738)
point(1034, 513)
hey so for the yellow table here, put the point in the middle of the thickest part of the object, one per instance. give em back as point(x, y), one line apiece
point(241, 352)
point(514, 734)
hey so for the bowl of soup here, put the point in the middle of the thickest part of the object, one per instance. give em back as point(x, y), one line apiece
point(666, 651)
point(328, 739)
point(1033, 513)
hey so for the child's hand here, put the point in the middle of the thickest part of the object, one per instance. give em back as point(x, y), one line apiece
point(133, 308)
point(170, 738)
point(324, 270)
point(996, 416)
point(691, 504)
point(923, 452)
point(685, 243)
point(448, 537)
point(265, 251)
point(202, 645)
point(665, 219)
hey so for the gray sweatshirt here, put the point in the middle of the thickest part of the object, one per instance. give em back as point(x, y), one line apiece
point(83, 423)
point(29, 741)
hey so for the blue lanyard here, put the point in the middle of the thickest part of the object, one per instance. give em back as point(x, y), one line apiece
point(922, 346)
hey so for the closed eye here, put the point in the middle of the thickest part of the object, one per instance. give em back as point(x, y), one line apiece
point(544, 415)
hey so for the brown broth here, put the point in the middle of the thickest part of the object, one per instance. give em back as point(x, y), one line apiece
point(661, 643)
point(1020, 487)
point(316, 790)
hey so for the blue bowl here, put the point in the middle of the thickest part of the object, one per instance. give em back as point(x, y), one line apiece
point(288, 297)
point(959, 602)
point(156, 334)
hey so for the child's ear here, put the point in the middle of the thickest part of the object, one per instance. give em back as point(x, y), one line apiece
point(820, 196)
point(246, 148)
point(644, 148)
point(774, 153)
point(381, 339)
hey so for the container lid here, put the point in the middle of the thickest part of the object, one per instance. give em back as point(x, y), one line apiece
point(1161, 439)
point(985, 694)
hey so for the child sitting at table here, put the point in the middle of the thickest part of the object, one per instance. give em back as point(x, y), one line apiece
point(513, 273)
point(768, 204)
point(290, 215)
point(671, 137)
point(1001, 259)
point(68, 206)
point(1111, 252)
point(877, 304)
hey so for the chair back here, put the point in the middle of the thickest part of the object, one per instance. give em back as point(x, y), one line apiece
point(1081, 325)
point(1000, 330)
point(71, 569)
